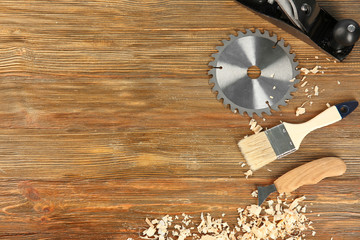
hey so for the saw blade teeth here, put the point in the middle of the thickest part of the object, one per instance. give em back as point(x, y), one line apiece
point(240, 34)
point(233, 108)
point(282, 42)
point(219, 96)
point(266, 34)
point(214, 55)
point(212, 64)
point(267, 111)
point(276, 107)
point(248, 113)
point(248, 31)
point(228, 47)
point(224, 41)
point(211, 71)
point(215, 88)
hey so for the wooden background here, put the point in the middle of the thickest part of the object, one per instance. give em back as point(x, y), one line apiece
point(107, 117)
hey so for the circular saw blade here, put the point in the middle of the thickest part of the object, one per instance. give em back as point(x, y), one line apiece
point(243, 92)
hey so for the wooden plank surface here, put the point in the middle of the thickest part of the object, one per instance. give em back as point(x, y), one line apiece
point(107, 118)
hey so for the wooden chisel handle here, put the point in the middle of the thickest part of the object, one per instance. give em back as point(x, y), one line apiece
point(310, 173)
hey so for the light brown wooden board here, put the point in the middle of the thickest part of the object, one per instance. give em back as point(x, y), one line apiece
point(107, 117)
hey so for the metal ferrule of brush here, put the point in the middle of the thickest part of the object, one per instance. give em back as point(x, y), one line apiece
point(280, 141)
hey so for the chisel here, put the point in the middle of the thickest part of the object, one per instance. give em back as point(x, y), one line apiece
point(309, 173)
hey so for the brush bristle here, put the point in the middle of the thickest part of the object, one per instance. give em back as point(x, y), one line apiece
point(257, 150)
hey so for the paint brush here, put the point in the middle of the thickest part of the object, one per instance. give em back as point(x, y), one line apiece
point(277, 142)
point(309, 173)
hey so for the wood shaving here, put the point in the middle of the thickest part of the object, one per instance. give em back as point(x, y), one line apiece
point(273, 221)
point(304, 84)
point(306, 90)
point(254, 194)
point(300, 111)
point(248, 173)
point(274, 87)
point(315, 70)
point(292, 80)
point(328, 105)
point(272, 75)
point(269, 170)
point(305, 71)
point(338, 82)
point(243, 164)
point(316, 57)
point(316, 91)
point(271, 97)
point(303, 78)
point(254, 126)
point(328, 59)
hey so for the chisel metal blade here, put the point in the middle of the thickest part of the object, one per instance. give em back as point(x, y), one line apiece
point(264, 192)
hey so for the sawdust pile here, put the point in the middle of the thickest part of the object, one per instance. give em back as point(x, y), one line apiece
point(280, 219)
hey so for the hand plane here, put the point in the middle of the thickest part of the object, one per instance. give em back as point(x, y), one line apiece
point(306, 20)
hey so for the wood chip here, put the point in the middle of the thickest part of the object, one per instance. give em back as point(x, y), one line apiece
point(304, 84)
point(292, 80)
point(272, 75)
point(248, 173)
point(305, 71)
point(257, 129)
point(316, 91)
point(253, 222)
point(300, 111)
point(328, 105)
point(315, 70)
point(254, 126)
point(254, 194)
point(316, 57)
point(338, 82)
point(303, 78)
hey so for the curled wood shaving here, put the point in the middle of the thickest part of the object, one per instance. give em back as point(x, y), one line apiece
point(248, 173)
point(254, 126)
point(315, 69)
point(254, 194)
point(305, 71)
point(278, 220)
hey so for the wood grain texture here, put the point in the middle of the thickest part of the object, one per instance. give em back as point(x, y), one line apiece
point(107, 118)
point(310, 173)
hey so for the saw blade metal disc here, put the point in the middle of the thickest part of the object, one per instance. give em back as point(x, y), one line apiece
point(244, 92)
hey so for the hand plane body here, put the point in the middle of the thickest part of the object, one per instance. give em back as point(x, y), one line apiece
point(306, 20)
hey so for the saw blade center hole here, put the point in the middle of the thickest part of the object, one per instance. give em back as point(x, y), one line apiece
point(254, 72)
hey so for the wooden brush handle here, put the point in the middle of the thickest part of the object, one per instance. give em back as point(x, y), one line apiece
point(297, 132)
point(310, 173)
